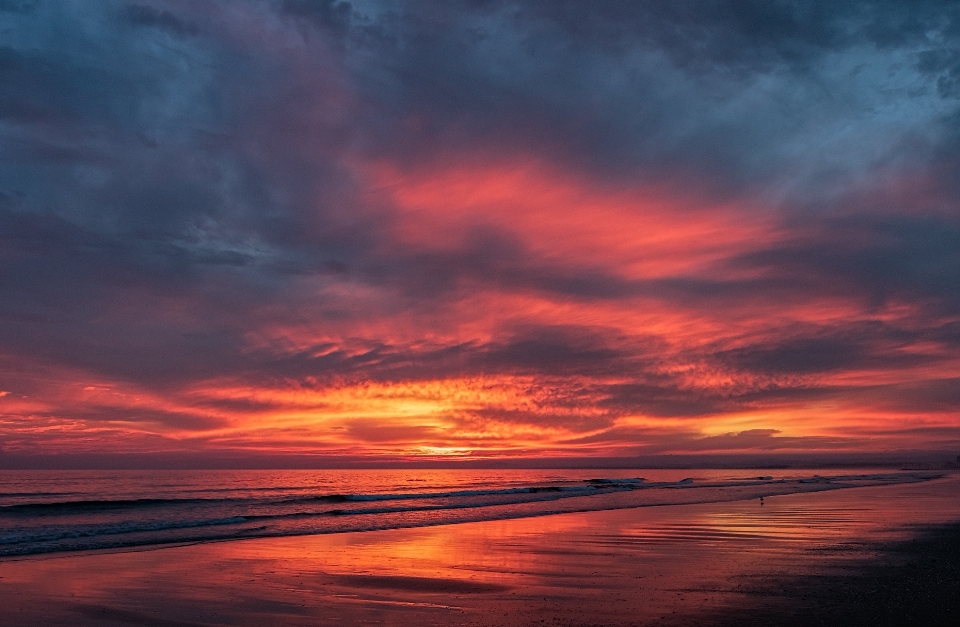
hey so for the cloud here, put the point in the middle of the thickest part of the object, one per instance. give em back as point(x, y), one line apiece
point(380, 433)
point(486, 224)
point(146, 15)
point(881, 258)
point(656, 442)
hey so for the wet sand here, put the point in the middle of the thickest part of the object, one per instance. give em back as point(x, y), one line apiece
point(914, 582)
point(866, 554)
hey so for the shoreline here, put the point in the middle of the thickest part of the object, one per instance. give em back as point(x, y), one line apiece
point(646, 496)
point(697, 564)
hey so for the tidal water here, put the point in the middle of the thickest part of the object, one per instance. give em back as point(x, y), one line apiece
point(59, 511)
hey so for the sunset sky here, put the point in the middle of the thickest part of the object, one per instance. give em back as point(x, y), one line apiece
point(474, 229)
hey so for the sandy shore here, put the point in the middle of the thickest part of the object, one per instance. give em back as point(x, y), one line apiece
point(843, 557)
point(914, 582)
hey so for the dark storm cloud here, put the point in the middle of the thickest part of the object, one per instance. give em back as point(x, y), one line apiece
point(574, 421)
point(428, 66)
point(146, 15)
point(63, 286)
point(548, 350)
point(666, 397)
point(581, 361)
point(881, 259)
point(727, 90)
point(932, 395)
point(38, 88)
point(127, 192)
point(655, 441)
point(877, 259)
point(18, 6)
point(331, 14)
point(762, 439)
point(751, 33)
point(187, 421)
point(175, 178)
point(835, 350)
point(944, 66)
point(558, 351)
point(662, 398)
point(916, 259)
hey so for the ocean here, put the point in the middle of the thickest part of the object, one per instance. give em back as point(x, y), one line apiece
point(44, 512)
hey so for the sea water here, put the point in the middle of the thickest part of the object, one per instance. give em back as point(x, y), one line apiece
point(56, 511)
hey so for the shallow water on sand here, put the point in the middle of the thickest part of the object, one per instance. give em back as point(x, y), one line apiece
point(676, 564)
point(51, 512)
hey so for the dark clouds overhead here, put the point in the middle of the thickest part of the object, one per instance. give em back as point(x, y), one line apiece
point(583, 215)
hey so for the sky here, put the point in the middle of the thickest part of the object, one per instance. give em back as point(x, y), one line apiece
point(479, 229)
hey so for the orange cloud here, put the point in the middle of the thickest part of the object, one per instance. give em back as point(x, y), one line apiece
point(605, 320)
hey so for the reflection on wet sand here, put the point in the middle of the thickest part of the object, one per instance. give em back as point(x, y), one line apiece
point(663, 565)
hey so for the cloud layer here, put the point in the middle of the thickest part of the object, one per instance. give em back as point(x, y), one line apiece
point(479, 228)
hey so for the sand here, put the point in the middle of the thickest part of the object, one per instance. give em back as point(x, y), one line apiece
point(859, 556)
point(914, 582)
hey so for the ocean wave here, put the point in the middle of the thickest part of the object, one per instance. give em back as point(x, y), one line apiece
point(592, 486)
point(24, 537)
point(33, 528)
point(92, 505)
point(60, 507)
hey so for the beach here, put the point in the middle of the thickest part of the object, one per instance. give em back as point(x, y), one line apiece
point(913, 582)
point(830, 554)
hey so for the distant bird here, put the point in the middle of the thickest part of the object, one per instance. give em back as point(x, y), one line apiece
point(761, 500)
